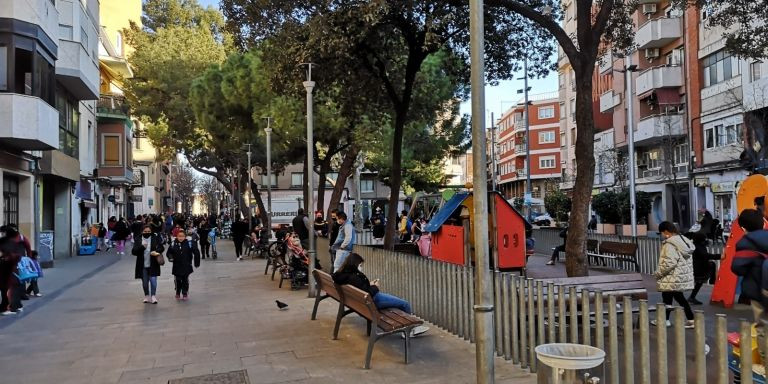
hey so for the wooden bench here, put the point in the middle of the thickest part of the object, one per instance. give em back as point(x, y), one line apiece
point(389, 321)
point(612, 250)
point(624, 284)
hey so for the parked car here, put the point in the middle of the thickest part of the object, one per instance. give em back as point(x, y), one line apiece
point(542, 220)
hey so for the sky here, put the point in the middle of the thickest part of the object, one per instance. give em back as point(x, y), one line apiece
point(499, 98)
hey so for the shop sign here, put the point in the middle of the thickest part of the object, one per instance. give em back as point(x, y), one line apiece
point(136, 198)
point(726, 186)
point(701, 181)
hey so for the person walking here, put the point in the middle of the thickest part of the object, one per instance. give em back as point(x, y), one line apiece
point(559, 248)
point(182, 253)
point(675, 271)
point(405, 227)
point(13, 246)
point(205, 241)
point(345, 241)
point(379, 226)
point(122, 231)
point(239, 233)
point(147, 252)
point(703, 264)
point(302, 227)
point(592, 225)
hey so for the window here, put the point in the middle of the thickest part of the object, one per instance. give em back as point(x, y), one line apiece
point(561, 80)
point(547, 137)
point(719, 67)
point(546, 112)
point(137, 143)
point(573, 110)
point(754, 71)
point(69, 124)
point(573, 136)
point(297, 179)
point(274, 180)
point(676, 56)
point(111, 150)
point(547, 162)
point(119, 44)
point(330, 179)
point(65, 32)
point(719, 135)
point(3, 68)
point(366, 186)
point(84, 38)
point(10, 200)
point(679, 154)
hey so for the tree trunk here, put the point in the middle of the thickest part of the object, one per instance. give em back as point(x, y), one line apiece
point(341, 181)
point(322, 174)
point(259, 202)
point(575, 247)
point(396, 179)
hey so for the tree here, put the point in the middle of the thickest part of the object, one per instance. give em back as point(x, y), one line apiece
point(746, 33)
point(613, 206)
point(184, 186)
point(209, 189)
point(558, 205)
point(391, 41)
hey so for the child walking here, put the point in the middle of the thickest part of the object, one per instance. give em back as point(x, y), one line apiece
point(182, 253)
point(34, 288)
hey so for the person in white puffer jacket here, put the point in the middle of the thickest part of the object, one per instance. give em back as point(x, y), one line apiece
point(675, 272)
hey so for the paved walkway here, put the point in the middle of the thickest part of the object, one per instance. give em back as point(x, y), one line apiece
point(92, 327)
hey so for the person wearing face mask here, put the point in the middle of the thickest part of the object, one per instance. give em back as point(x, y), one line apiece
point(345, 241)
point(182, 252)
point(351, 273)
point(147, 251)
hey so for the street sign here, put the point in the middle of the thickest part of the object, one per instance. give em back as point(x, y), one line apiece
point(111, 198)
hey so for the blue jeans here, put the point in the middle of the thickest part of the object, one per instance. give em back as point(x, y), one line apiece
point(341, 255)
point(147, 281)
point(384, 300)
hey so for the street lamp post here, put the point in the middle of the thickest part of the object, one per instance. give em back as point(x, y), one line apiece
point(483, 308)
point(628, 99)
point(527, 140)
point(248, 188)
point(309, 85)
point(268, 130)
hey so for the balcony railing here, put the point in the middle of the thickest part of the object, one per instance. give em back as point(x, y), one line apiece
point(659, 77)
point(659, 32)
point(113, 105)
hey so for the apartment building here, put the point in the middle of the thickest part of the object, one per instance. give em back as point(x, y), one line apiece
point(545, 149)
point(117, 129)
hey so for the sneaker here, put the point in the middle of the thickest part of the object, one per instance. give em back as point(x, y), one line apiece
point(239, 258)
point(38, 294)
point(154, 299)
point(178, 297)
point(550, 262)
point(689, 324)
point(20, 309)
point(146, 299)
point(185, 297)
point(668, 323)
point(8, 313)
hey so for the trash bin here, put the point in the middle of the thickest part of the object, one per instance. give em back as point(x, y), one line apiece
point(569, 363)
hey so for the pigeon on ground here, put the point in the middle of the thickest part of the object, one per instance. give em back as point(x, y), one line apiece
point(282, 306)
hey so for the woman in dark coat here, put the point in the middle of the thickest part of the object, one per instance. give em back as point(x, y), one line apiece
point(703, 265)
point(147, 267)
point(182, 253)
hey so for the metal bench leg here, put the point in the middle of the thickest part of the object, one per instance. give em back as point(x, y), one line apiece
point(368, 328)
point(339, 316)
point(266, 269)
point(371, 342)
point(317, 303)
point(407, 343)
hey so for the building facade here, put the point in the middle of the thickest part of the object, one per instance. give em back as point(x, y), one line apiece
point(545, 149)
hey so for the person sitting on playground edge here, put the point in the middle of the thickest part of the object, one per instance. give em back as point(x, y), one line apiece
point(749, 262)
point(350, 273)
point(559, 248)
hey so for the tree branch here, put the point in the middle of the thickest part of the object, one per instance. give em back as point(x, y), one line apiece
point(601, 20)
point(545, 22)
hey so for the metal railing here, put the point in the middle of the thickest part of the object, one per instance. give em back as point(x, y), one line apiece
point(647, 247)
point(531, 312)
point(113, 104)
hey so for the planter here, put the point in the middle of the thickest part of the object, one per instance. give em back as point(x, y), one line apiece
point(642, 230)
point(606, 229)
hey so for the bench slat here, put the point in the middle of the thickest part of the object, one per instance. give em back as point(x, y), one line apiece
point(596, 279)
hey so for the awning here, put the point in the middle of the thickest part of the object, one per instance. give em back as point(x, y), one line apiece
point(445, 212)
point(667, 96)
point(89, 204)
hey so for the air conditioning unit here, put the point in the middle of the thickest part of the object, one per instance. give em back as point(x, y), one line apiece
point(649, 9)
point(651, 53)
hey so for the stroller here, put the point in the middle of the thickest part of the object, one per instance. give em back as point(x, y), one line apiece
point(296, 268)
point(212, 240)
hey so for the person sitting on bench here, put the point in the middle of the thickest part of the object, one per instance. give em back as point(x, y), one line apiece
point(350, 273)
point(559, 248)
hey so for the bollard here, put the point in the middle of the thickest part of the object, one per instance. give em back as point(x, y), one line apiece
point(721, 349)
point(574, 312)
point(586, 330)
point(540, 310)
point(661, 344)
point(699, 356)
point(746, 357)
point(645, 347)
point(523, 325)
point(531, 327)
point(561, 319)
point(515, 318)
point(629, 342)
point(599, 324)
point(551, 311)
point(464, 304)
point(498, 324)
point(470, 308)
point(679, 329)
point(506, 315)
point(613, 340)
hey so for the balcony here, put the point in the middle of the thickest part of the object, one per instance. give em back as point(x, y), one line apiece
point(520, 149)
point(659, 32)
point(40, 14)
point(609, 100)
point(756, 94)
point(659, 77)
point(77, 71)
point(28, 123)
point(117, 175)
point(113, 106)
point(605, 63)
point(654, 129)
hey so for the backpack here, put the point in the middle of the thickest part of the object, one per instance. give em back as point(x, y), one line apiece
point(408, 226)
point(25, 270)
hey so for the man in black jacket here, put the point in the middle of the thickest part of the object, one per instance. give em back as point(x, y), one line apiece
point(239, 232)
point(559, 248)
point(302, 227)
